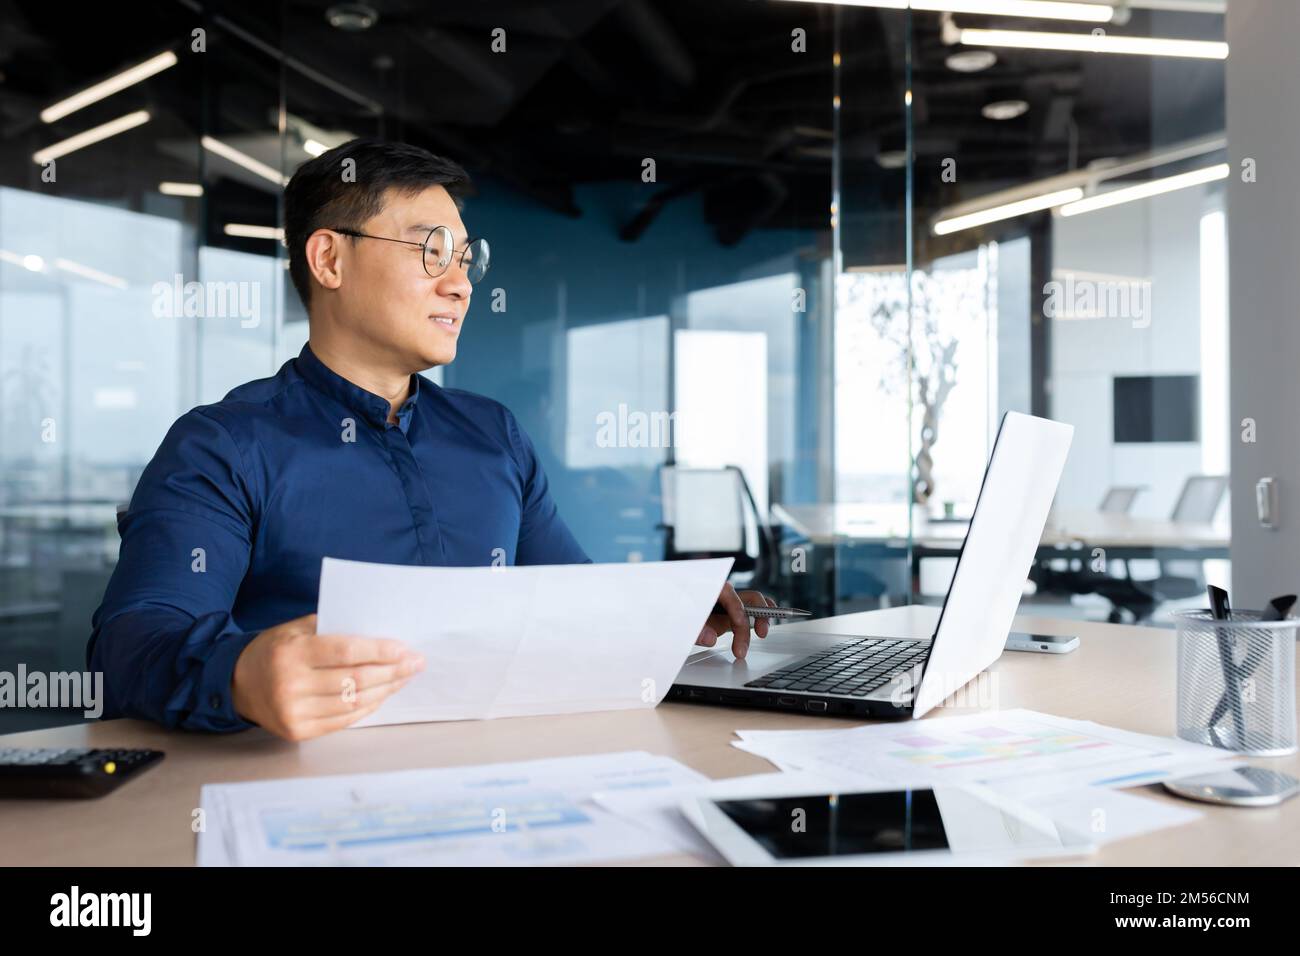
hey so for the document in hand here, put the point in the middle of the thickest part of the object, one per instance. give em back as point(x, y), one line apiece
point(517, 641)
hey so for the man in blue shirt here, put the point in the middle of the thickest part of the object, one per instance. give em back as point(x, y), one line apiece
point(347, 452)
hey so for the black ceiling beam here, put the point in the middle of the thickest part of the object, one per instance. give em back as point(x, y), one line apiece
point(659, 40)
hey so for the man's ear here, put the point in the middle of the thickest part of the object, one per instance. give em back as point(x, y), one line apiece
point(324, 253)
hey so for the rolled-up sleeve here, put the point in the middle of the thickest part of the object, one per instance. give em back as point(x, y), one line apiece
point(164, 636)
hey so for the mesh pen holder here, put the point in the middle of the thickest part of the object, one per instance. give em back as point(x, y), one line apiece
point(1236, 682)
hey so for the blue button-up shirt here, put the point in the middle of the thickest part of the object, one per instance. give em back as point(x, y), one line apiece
point(228, 525)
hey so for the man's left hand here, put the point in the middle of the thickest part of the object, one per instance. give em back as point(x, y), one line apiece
point(735, 620)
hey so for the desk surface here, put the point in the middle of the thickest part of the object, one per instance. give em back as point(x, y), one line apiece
point(1120, 675)
point(847, 523)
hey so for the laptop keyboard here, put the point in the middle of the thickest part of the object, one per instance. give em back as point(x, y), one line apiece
point(852, 669)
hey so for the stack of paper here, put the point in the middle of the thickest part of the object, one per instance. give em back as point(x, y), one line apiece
point(626, 805)
point(1012, 750)
point(535, 812)
point(1069, 770)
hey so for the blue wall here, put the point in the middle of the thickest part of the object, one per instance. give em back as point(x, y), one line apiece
point(559, 273)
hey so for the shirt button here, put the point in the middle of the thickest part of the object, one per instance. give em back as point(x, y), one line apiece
point(215, 701)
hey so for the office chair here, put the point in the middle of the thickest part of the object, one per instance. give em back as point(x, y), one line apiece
point(1197, 503)
point(1069, 575)
point(1119, 499)
point(711, 513)
point(1199, 500)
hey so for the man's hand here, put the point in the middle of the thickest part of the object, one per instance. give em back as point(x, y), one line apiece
point(299, 684)
point(735, 620)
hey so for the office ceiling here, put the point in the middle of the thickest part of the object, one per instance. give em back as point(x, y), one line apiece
point(589, 88)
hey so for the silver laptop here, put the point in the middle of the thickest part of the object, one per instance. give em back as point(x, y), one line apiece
point(854, 674)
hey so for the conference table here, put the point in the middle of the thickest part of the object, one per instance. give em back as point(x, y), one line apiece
point(1121, 675)
point(896, 533)
point(827, 524)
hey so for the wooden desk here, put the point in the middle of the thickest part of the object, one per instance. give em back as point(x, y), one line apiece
point(1121, 675)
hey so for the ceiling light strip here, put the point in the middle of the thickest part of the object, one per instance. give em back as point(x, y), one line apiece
point(1100, 43)
point(1009, 210)
point(226, 151)
point(1155, 187)
point(105, 89)
point(1033, 9)
point(92, 135)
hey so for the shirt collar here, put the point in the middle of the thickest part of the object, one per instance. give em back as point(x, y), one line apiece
point(373, 408)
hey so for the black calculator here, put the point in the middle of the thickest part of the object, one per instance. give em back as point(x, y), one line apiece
point(69, 772)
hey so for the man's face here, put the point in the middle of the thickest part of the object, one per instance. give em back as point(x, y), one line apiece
point(398, 308)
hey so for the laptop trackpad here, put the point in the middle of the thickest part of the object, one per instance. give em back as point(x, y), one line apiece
point(756, 662)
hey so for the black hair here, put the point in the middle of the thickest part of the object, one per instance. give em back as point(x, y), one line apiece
point(328, 192)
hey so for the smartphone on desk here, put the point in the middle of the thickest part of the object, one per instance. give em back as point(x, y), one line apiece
point(1041, 643)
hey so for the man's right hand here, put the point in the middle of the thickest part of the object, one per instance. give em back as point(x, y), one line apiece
point(299, 684)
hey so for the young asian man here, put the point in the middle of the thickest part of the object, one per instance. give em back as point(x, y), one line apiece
point(346, 451)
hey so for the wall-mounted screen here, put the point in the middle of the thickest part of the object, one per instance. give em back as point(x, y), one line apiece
point(1157, 408)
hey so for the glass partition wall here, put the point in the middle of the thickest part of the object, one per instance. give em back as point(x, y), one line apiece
point(873, 364)
point(99, 231)
point(1070, 261)
point(765, 275)
point(657, 182)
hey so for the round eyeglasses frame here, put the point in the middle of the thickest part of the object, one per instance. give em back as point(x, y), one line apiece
point(482, 252)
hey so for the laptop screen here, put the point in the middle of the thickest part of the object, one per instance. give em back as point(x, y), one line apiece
point(1015, 497)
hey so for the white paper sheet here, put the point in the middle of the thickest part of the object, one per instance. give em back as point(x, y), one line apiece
point(1040, 753)
point(531, 812)
point(1106, 816)
point(521, 641)
point(658, 809)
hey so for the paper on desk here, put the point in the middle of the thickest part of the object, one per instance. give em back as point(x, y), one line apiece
point(1103, 816)
point(531, 812)
point(1042, 753)
point(659, 809)
point(519, 641)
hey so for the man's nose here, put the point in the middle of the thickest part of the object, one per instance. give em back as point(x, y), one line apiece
point(454, 283)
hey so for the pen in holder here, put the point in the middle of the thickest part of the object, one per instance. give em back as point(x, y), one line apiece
point(1236, 682)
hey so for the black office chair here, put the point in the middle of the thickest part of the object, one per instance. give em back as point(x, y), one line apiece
point(711, 513)
point(1119, 500)
point(1197, 503)
point(1070, 575)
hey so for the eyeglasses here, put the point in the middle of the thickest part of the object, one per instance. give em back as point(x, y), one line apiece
point(439, 249)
